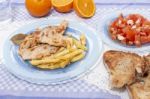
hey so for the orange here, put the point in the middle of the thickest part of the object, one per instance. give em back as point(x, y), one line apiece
point(38, 8)
point(84, 8)
point(62, 5)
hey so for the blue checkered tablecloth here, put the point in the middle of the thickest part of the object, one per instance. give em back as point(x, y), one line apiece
point(13, 88)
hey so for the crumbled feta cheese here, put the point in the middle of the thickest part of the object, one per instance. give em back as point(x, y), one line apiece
point(119, 22)
point(130, 22)
point(120, 37)
point(138, 21)
point(134, 26)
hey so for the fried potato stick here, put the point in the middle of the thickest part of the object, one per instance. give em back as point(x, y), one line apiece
point(53, 66)
point(78, 57)
point(71, 55)
point(69, 43)
point(57, 58)
point(79, 45)
point(60, 53)
point(83, 39)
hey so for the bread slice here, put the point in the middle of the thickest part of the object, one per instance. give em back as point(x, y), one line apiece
point(123, 67)
point(147, 61)
point(140, 89)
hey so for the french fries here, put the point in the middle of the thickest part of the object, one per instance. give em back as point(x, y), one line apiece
point(78, 57)
point(61, 49)
point(79, 45)
point(69, 43)
point(74, 51)
point(64, 52)
point(44, 61)
point(60, 56)
point(54, 66)
point(71, 55)
point(83, 39)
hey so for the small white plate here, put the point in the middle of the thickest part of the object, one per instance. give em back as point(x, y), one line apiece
point(116, 44)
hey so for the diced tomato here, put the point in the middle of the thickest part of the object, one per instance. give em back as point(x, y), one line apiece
point(130, 43)
point(135, 17)
point(130, 34)
point(124, 41)
point(146, 29)
point(146, 22)
point(118, 22)
point(137, 40)
point(145, 39)
point(124, 21)
point(119, 31)
point(138, 43)
point(132, 17)
point(113, 24)
point(143, 34)
point(123, 34)
point(114, 37)
point(134, 28)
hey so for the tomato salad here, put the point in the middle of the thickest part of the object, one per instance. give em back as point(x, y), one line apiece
point(133, 29)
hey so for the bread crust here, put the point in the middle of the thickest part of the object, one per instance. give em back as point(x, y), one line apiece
point(123, 67)
point(140, 89)
point(147, 62)
point(129, 69)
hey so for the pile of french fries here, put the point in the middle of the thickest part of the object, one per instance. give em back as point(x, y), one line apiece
point(74, 51)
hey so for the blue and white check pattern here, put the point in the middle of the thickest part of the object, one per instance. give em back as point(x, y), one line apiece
point(8, 82)
point(11, 85)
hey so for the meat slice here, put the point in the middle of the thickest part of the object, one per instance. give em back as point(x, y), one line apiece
point(53, 35)
point(30, 48)
point(30, 40)
point(43, 42)
point(38, 51)
point(123, 67)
